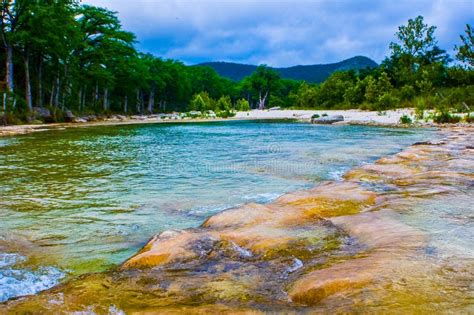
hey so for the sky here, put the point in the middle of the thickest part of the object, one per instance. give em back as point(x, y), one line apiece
point(281, 33)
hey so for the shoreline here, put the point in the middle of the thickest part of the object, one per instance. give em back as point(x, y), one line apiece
point(351, 117)
point(376, 246)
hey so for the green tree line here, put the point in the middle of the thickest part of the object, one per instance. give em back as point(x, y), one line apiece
point(65, 56)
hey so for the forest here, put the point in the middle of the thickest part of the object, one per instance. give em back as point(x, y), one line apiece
point(60, 56)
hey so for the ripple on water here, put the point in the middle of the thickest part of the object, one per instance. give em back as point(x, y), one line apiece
point(18, 281)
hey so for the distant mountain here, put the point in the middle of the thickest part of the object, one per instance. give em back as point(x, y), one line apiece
point(309, 73)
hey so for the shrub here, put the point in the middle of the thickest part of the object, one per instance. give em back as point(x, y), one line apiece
point(405, 119)
point(445, 117)
point(225, 114)
point(386, 101)
point(224, 103)
point(469, 118)
point(407, 92)
point(420, 109)
point(324, 115)
point(242, 105)
point(315, 116)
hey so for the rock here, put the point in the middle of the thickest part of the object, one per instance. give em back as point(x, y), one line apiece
point(91, 118)
point(42, 112)
point(69, 116)
point(195, 113)
point(327, 119)
point(79, 120)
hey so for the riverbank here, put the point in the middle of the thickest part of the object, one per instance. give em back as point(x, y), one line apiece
point(366, 243)
point(388, 118)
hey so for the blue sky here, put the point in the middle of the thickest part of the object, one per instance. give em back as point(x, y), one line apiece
point(281, 33)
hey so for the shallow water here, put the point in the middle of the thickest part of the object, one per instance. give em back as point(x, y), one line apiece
point(84, 199)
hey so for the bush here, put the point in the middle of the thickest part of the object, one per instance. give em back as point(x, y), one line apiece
point(315, 116)
point(407, 92)
point(225, 114)
point(9, 118)
point(242, 105)
point(405, 119)
point(469, 118)
point(445, 117)
point(420, 109)
point(224, 103)
point(386, 101)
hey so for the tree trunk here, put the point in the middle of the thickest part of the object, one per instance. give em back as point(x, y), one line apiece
point(29, 102)
point(125, 104)
point(261, 101)
point(106, 99)
point(51, 98)
point(96, 93)
point(9, 72)
point(138, 101)
point(79, 98)
point(56, 95)
point(40, 82)
point(151, 101)
point(83, 101)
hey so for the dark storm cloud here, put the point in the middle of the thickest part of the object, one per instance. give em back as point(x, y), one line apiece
point(281, 33)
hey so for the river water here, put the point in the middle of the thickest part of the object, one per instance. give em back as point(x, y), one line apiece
point(84, 199)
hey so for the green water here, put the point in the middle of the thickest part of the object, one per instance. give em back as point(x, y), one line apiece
point(84, 199)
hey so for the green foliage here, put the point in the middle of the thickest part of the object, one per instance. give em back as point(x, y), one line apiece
point(77, 57)
point(405, 119)
point(469, 118)
point(407, 92)
point(224, 104)
point(202, 102)
point(415, 38)
point(420, 109)
point(315, 116)
point(386, 101)
point(443, 116)
point(242, 105)
point(309, 73)
point(465, 53)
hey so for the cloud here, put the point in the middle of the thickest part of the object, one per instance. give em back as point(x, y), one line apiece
point(281, 32)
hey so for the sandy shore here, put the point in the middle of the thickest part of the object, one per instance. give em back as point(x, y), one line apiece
point(350, 116)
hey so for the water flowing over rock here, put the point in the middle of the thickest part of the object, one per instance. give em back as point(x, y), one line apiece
point(343, 246)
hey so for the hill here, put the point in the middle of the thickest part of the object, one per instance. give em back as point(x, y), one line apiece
point(309, 73)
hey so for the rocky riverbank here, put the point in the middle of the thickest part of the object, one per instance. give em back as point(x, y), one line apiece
point(344, 246)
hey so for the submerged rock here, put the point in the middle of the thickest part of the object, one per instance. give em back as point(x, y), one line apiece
point(339, 247)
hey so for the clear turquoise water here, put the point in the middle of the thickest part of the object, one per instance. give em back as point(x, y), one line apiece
point(84, 199)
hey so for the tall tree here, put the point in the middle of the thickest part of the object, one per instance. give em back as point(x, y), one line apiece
point(465, 52)
point(262, 82)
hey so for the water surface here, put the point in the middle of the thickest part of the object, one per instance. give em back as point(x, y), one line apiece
point(84, 199)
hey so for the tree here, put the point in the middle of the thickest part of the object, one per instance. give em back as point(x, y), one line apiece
point(465, 53)
point(224, 103)
point(242, 105)
point(332, 90)
point(262, 82)
point(415, 52)
point(12, 15)
point(415, 39)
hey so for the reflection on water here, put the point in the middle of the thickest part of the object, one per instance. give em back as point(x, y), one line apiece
point(87, 198)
